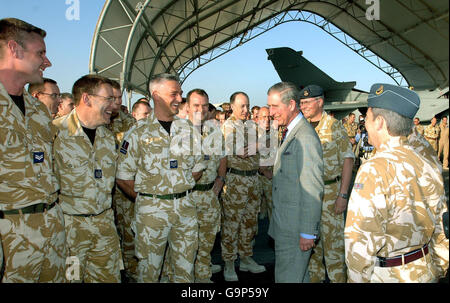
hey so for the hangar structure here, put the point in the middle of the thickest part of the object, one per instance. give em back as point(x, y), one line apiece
point(133, 40)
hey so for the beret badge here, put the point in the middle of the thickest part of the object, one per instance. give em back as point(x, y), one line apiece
point(379, 90)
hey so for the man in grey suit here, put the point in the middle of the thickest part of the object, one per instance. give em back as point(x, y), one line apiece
point(297, 186)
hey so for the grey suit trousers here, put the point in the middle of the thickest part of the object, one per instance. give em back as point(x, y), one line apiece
point(291, 264)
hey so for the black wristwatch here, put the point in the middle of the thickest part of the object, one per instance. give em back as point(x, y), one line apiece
point(345, 196)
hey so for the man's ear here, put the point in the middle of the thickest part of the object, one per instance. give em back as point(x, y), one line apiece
point(15, 49)
point(292, 105)
point(321, 102)
point(379, 122)
point(85, 99)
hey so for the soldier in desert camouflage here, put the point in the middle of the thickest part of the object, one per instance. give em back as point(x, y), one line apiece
point(431, 133)
point(265, 172)
point(161, 179)
point(207, 188)
point(351, 127)
point(418, 126)
point(338, 164)
point(123, 206)
point(394, 230)
point(85, 163)
point(31, 221)
point(423, 148)
point(241, 196)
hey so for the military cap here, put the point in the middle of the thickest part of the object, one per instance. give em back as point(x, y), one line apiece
point(311, 91)
point(398, 99)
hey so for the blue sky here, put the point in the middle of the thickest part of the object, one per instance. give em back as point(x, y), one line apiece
point(243, 69)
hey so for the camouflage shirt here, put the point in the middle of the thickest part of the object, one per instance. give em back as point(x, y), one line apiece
point(212, 152)
point(432, 132)
point(238, 134)
point(86, 173)
point(121, 124)
point(335, 146)
point(396, 206)
point(424, 148)
point(351, 128)
point(419, 129)
point(146, 157)
point(26, 165)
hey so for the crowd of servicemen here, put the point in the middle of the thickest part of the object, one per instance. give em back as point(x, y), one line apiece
point(88, 190)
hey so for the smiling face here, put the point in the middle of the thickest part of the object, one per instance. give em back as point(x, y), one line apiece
point(197, 108)
point(32, 59)
point(101, 108)
point(281, 112)
point(312, 108)
point(49, 95)
point(167, 97)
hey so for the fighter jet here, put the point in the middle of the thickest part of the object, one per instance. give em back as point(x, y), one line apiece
point(342, 97)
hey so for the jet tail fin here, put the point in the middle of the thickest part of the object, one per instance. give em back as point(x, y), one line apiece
point(291, 66)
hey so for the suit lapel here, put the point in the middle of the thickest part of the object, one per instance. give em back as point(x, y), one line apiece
point(287, 141)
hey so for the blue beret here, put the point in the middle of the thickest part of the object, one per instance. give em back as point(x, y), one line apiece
point(395, 98)
point(311, 91)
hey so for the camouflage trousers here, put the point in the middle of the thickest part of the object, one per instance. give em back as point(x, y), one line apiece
point(241, 198)
point(208, 216)
point(95, 244)
point(419, 271)
point(433, 143)
point(34, 248)
point(124, 215)
point(266, 196)
point(330, 249)
point(160, 222)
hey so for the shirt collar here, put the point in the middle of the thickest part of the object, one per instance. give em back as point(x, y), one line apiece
point(293, 123)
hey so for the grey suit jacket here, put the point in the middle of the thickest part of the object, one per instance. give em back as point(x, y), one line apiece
point(297, 185)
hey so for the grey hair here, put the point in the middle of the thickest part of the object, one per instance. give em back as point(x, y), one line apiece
point(288, 91)
point(396, 124)
point(160, 78)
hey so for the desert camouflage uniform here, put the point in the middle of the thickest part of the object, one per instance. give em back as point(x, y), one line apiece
point(86, 174)
point(352, 129)
point(336, 148)
point(264, 182)
point(431, 133)
point(396, 207)
point(419, 128)
point(33, 244)
point(443, 145)
point(122, 206)
point(241, 194)
point(423, 148)
point(207, 206)
point(145, 157)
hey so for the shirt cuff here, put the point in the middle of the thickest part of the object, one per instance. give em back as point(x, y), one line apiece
point(307, 236)
point(124, 176)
